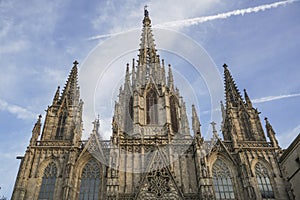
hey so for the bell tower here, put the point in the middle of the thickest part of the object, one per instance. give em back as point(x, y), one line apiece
point(149, 120)
point(148, 103)
point(64, 117)
point(242, 122)
point(52, 151)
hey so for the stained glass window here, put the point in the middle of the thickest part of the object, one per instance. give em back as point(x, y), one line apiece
point(48, 182)
point(222, 181)
point(151, 101)
point(90, 181)
point(263, 181)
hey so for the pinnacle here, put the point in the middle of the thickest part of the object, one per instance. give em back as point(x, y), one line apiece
point(39, 119)
point(195, 121)
point(170, 78)
point(147, 52)
point(56, 96)
point(146, 20)
point(248, 101)
point(71, 87)
point(232, 94)
point(267, 121)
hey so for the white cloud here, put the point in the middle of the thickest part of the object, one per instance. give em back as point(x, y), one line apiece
point(52, 75)
point(22, 25)
point(272, 98)
point(14, 46)
point(5, 25)
point(20, 112)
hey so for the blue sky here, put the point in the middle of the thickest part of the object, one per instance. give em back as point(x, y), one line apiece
point(40, 39)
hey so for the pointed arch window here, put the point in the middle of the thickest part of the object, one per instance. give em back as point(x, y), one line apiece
point(173, 110)
point(61, 125)
point(246, 126)
point(90, 181)
point(151, 104)
point(129, 115)
point(48, 182)
point(263, 181)
point(222, 181)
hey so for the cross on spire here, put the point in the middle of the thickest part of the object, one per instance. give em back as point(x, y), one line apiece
point(146, 13)
point(75, 63)
point(213, 124)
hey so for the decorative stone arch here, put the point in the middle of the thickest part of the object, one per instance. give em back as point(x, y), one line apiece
point(40, 173)
point(81, 162)
point(151, 85)
point(263, 161)
point(45, 163)
point(271, 176)
point(78, 169)
point(230, 166)
point(224, 157)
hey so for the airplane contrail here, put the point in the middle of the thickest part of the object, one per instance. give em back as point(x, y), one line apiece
point(199, 20)
point(272, 98)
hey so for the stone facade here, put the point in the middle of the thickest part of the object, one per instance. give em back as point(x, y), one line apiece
point(152, 153)
point(290, 164)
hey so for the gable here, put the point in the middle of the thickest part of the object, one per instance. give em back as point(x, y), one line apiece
point(158, 182)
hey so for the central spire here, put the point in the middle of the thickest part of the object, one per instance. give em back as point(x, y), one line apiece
point(148, 63)
point(147, 51)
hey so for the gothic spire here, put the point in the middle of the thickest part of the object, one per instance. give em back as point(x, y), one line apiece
point(163, 72)
point(147, 51)
point(133, 73)
point(71, 89)
point(170, 78)
point(96, 126)
point(127, 85)
point(195, 122)
point(127, 74)
point(36, 131)
point(184, 119)
point(247, 99)
point(215, 132)
point(271, 133)
point(56, 96)
point(232, 94)
point(223, 114)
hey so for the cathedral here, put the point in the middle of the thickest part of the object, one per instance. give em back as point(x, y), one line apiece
point(152, 153)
